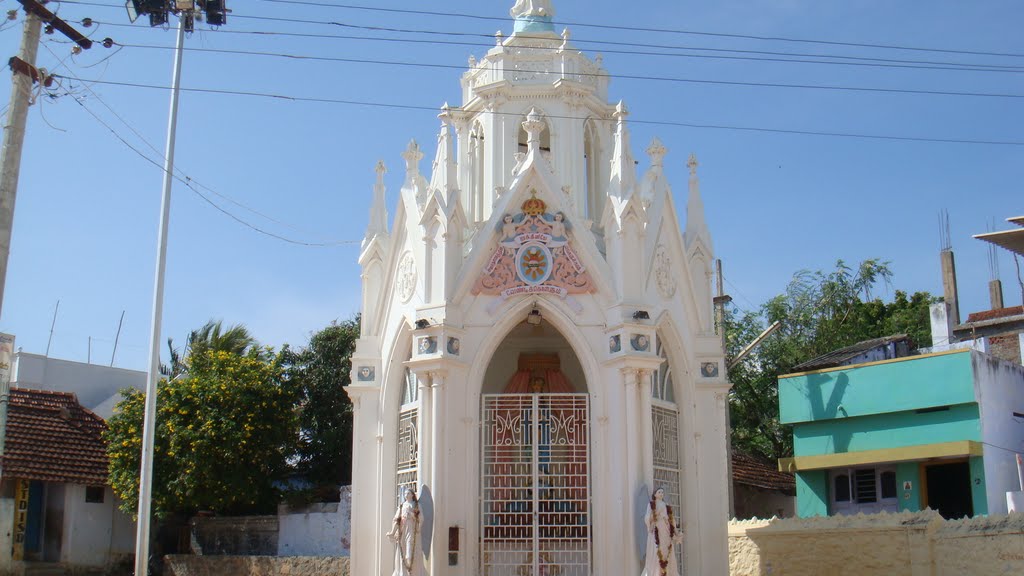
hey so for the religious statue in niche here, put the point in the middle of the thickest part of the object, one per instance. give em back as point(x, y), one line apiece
point(662, 537)
point(534, 256)
point(405, 533)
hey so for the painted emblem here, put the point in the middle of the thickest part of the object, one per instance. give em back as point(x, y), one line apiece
point(534, 256)
point(366, 373)
point(533, 261)
point(454, 346)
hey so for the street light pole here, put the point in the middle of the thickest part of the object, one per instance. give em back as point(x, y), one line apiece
point(149, 422)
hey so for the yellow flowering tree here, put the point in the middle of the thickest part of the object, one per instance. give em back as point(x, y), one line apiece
point(224, 432)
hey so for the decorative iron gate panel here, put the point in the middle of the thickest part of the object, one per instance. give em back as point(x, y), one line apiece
point(537, 441)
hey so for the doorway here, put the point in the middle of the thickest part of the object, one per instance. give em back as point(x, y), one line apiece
point(949, 489)
point(535, 503)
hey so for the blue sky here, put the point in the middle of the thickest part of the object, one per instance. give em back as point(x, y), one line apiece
point(87, 209)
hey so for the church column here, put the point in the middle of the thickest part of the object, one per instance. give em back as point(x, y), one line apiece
point(438, 552)
point(365, 548)
point(630, 377)
point(425, 435)
point(647, 429)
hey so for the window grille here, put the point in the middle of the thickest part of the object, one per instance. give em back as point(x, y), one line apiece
point(408, 453)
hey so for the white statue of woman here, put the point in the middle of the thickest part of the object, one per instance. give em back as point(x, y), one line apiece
point(532, 8)
point(662, 538)
point(405, 532)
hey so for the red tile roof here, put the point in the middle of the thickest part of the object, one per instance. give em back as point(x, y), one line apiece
point(755, 472)
point(52, 438)
point(993, 314)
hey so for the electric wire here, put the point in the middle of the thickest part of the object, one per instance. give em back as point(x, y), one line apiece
point(645, 29)
point(598, 75)
point(191, 185)
point(642, 29)
point(180, 174)
point(666, 123)
point(869, 62)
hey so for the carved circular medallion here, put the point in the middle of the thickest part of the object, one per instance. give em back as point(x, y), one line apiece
point(533, 263)
point(663, 272)
point(405, 281)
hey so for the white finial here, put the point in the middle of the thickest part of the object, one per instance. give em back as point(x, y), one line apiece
point(599, 60)
point(657, 152)
point(534, 125)
point(472, 61)
point(526, 8)
point(621, 112)
point(499, 37)
point(412, 156)
point(692, 164)
point(565, 39)
point(378, 208)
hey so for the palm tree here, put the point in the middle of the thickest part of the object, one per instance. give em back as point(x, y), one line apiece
point(211, 337)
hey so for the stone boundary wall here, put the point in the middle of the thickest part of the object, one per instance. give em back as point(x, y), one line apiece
point(910, 543)
point(181, 565)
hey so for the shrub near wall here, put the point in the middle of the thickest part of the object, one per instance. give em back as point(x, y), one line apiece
point(914, 544)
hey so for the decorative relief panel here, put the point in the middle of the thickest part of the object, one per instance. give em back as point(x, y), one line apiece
point(615, 344)
point(366, 373)
point(640, 342)
point(454, 346)
point(709, 369)
point(663, 276)
point(427, 345)
point(534, 256)
point(405, 280)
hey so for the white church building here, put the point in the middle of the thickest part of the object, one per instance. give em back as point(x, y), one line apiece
point(538, 348)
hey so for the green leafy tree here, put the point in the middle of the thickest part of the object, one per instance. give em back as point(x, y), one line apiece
point(223, 434)
point(819, 312)
point(320, 373)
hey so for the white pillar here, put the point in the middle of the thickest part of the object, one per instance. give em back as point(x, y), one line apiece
point(632, 463)
point(646, 429)
point(438, 546)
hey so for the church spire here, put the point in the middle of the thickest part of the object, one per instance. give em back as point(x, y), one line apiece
point(414, 182)
point(623, 176)
point(696, 226)
point(378, 209)
point(446, 173)
point(533, 16)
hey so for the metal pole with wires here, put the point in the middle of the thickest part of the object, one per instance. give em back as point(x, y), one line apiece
point(159, 13)
point(149, 420)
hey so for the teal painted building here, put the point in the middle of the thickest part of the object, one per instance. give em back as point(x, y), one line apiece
point(890, 432)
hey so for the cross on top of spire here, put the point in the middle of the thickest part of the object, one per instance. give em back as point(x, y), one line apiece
point(533, 16)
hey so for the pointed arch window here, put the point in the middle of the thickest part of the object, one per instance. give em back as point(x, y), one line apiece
point(594, 199)
point(408, 450)
point(667, 448)
point(476, 153)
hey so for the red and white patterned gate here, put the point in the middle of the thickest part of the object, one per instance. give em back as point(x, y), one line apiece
point(535, 507)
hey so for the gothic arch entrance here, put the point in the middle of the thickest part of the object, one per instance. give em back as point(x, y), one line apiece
point(535, 500)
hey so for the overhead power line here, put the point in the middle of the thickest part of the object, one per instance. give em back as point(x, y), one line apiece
point(704, 52)
point(643, 29)
point(667, 123)
point(588, 74)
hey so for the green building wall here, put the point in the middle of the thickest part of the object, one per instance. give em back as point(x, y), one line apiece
point(812, 493)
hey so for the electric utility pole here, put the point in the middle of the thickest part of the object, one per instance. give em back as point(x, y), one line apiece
point(159, 12)
point(23, 75)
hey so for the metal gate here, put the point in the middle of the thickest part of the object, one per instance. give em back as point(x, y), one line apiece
point(535, 506)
